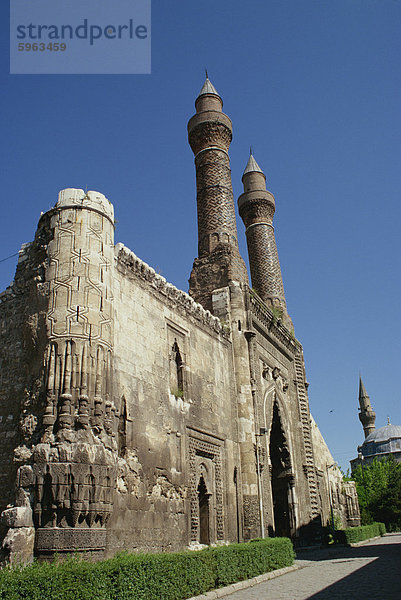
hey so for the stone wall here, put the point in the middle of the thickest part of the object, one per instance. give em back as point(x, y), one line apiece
point(173, 386)
point(126, 399)
point(333, 490)
point(133, 418)
point(22, 342)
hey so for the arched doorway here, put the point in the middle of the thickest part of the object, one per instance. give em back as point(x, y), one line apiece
point(203, 500)
point(281, 476)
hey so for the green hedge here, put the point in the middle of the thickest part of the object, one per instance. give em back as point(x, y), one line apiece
point(174, 576)
point(393, 527)
point(358, 534)
point(243, 561)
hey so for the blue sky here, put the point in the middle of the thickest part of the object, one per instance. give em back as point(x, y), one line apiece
point(315, 87)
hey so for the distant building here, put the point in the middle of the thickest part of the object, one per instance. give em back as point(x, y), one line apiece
point(379, 443)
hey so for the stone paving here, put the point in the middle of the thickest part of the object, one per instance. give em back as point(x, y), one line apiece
point(368, 572)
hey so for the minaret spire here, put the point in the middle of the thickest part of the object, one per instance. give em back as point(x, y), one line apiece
point(208, 89)
point(256, 208)
point(219, 261)
point(366, 416)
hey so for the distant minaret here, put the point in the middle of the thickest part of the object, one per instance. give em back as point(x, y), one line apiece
point(366, 416)
point(256, 208)
point(219, 261)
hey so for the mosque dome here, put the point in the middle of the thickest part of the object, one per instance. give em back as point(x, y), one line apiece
point(385, 440)
point(388, 432)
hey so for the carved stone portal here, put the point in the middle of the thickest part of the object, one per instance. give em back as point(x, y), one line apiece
point(207, 521)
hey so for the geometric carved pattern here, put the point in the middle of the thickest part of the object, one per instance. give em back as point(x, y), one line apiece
point(79, 271)
point(256, 208)
point(211, 220)
point(215, 199)
point(213, 452)
point(212, 169)
point(74, 466)
point(72, 495)
point(264, 263)
point(309, 467)
point(210, 134)
point(251, 513)
point(79, 318)
point(78, 388)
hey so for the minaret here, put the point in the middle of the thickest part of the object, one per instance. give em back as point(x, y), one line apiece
point(256, 208)
point(367, 416)
point(219, 261)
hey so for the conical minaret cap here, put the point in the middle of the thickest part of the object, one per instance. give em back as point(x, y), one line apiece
point(252, 166)
point(208, 88)
point(362, 391)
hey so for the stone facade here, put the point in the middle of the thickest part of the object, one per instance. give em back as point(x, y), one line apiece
point(135, 416)
point(335, 494)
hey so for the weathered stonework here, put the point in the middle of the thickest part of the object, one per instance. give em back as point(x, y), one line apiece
point(219, 261)
point(335, 494)
point(135, 416)
point(256, 207)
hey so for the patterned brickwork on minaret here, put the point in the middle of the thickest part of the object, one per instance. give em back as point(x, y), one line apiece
point(219, 261)
point(367, 416)
point(256, 208)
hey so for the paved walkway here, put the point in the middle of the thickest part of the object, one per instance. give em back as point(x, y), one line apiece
point(368, 572)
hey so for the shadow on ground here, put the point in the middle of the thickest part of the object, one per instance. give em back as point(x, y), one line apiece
point(380, 579)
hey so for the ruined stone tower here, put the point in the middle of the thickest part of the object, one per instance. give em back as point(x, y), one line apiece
point(135, 416)
point(74, 465)
point(71, 471)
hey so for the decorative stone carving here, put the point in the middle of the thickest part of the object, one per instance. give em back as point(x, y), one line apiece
point(211, 450)
point(74, 466)
point(251, 515)
point(276, 373)
point(265, 371)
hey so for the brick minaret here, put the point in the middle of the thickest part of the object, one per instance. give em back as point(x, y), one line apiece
point(256, 208)
point(367, 416)
point(219, 261)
